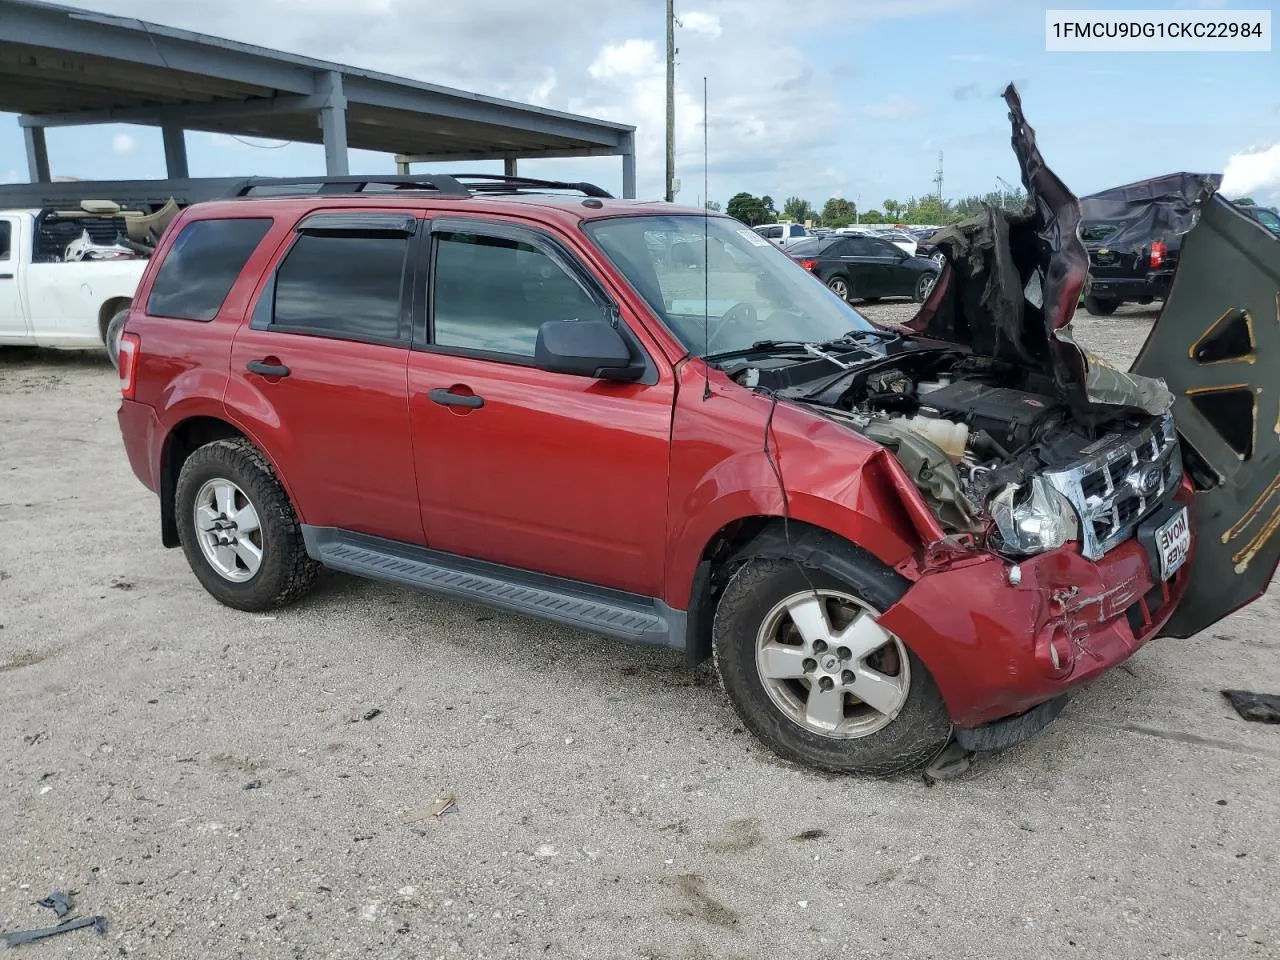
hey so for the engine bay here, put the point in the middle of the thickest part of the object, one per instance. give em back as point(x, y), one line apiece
point(973, 432)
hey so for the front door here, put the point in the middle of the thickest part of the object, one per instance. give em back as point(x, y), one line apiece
point(560, 474)
point(318, 375)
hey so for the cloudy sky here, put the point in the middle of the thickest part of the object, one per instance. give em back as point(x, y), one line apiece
point(818, 98)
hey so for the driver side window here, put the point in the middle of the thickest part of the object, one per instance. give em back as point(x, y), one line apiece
point(491, 294)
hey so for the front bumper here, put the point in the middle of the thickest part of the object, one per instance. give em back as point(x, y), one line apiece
point(997, 648)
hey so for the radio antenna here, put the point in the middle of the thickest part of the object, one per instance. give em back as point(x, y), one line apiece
point(706, 253)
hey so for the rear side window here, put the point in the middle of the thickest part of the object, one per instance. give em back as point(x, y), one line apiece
point(201, 266)
point(347, 285)
point(5, 242)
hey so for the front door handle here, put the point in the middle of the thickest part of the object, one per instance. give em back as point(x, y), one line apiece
point(266, 368)
point(6, 276)
point(448, 399)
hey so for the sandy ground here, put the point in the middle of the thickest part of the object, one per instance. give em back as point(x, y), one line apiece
point(209, 782)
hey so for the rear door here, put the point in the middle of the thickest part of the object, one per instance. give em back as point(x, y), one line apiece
point(1217, 346)
point(560, 474)
point(13, 320)
point(318, 373)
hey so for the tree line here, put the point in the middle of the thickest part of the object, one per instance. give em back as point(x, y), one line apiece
point(839, 212)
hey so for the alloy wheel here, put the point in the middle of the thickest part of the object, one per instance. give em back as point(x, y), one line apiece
point(828, 665)
point(228, 530)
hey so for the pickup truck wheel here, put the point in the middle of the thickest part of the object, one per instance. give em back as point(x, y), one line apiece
point(238, 528)
point(812, 673)
point(1100, 307)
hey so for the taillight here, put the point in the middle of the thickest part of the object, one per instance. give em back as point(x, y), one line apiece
point(130, 344)
point(808, 264)
point(1158, 252)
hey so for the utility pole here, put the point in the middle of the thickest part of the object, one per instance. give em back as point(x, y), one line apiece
point(937, 177)
point(671, 101)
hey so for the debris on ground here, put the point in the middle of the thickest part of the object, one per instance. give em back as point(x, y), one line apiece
point(950, 763)
point(1258, 707)
point(58, 902)
point(356, 716)
point(813, 833)
point(444, 806)
point(19, 937)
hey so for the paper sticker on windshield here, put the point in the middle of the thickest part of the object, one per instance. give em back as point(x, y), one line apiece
point(752, 237)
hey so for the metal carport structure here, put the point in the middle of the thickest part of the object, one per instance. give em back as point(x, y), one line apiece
point(61, 66)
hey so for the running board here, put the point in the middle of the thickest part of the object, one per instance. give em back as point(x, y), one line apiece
point(627, 616)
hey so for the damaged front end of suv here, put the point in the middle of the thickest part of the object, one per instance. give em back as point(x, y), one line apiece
point(1068, 493)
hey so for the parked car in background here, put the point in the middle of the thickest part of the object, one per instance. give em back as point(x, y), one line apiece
point(1134, 235)
point(925, 246)
point(1267, 216)
point(63, 277)
point(866, 268)
point(783, 234)
point(900, 239)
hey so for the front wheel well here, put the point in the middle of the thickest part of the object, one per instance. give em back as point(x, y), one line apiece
point(183, 440)
point(761, 536)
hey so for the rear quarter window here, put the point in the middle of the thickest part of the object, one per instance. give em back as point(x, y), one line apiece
point(200, 267)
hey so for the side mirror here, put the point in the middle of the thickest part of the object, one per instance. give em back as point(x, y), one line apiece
point(585, 348)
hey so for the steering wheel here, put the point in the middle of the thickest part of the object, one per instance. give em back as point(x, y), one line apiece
point(742, 314)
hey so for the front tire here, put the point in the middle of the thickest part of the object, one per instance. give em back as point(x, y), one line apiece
point(1100, 307)
point(238, 529)
point(924, 287)
point(813, 675)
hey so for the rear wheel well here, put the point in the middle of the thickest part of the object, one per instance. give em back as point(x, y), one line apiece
point(186, 438)
point(109, 310)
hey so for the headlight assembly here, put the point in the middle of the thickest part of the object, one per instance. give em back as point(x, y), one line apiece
point(1033, 517)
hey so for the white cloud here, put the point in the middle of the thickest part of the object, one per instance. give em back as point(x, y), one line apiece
point(540, 96)
point(894, 108)
point(1254, 173)
point(123, 144)
point(697, 21)
point(631, 58)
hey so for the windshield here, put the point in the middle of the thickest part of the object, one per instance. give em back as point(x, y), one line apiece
point(741, 290)
point(1267, 219)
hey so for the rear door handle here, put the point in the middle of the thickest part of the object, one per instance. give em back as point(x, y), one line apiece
point(6, 276)
point(446, 399)
point(265, 369)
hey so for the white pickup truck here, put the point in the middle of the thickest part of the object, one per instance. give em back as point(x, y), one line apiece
point(47, 300)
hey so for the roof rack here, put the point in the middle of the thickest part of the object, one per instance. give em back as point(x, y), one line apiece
point(453, 185)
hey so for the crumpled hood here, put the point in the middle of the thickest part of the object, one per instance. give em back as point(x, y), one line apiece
point(1012, 283)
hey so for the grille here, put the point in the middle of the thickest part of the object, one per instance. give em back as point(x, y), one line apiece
point(1125, 479)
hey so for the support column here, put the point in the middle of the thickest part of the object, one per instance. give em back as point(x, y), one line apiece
point(333, 123)
point(175, 151)
point(37, 155)
point(509, 167)
point(402, 168)
point(629, 167)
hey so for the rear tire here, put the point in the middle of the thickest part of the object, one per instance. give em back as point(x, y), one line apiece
point(261, 568)
point(841, 288)
point(1101, 307)
point(755, 633)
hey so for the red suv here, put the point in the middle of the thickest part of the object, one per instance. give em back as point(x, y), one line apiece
point(649, 422)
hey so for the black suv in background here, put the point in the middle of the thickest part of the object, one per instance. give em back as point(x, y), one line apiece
point(1134, 235)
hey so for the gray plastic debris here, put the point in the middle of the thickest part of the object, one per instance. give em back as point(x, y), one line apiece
point(1259, 707)
point(18, 938)
point(58, 902)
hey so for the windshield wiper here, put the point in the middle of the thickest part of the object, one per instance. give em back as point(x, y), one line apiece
point(760, 348)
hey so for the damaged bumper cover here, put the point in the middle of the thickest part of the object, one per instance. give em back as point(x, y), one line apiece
point(1001, 640)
